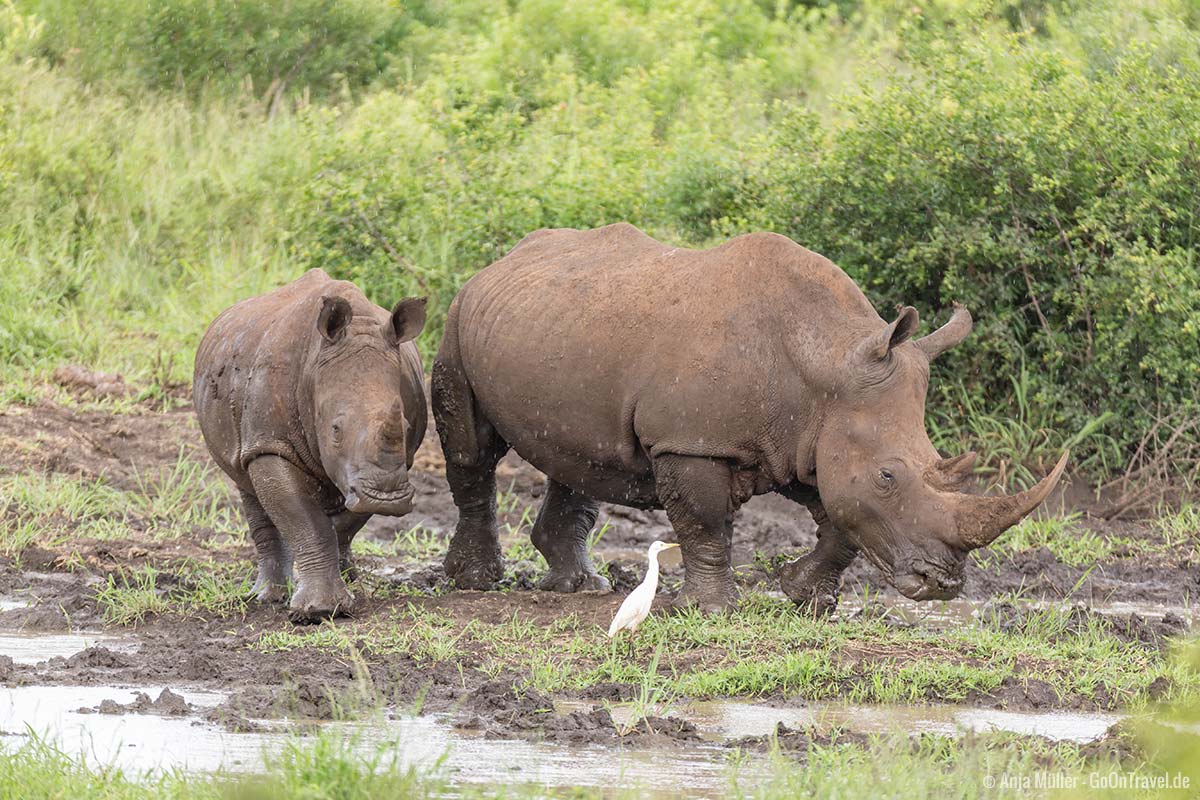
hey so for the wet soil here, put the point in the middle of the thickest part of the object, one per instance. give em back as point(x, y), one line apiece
point(52, 588)
point(499, 710)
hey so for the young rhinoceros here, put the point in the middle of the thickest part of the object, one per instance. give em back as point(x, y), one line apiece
point(311, 398)
point(659, 377)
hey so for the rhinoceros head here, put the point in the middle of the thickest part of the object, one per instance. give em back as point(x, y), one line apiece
point(358, 413)
point(880, 478)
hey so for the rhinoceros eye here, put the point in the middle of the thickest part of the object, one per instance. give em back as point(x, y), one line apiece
point(335, 431)
point(886, 476)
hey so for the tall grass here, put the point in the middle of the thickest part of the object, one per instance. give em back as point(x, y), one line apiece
point(129, 224)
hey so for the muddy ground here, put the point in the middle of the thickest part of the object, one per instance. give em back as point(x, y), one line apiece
point(53, 586)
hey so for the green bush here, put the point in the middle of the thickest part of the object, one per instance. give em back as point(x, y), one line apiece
point(1059, 200)
point(196, 44)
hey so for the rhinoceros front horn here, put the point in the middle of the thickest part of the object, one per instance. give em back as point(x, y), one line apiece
point(982, 519)
point(392, 432)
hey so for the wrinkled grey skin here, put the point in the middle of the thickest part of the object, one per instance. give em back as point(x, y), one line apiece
point(652, 376)
point(311, 398)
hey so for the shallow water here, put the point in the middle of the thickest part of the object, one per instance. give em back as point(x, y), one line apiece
point(141, 742)
point(731, 719)
point(33, 648)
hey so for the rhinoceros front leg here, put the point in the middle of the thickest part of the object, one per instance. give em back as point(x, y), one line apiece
point(291, 500)
point(273, 560)
point(697, 494)
point(560, 533)
point(345, 525)
point(814, 580)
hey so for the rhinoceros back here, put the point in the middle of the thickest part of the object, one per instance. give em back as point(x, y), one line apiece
point(601, 349)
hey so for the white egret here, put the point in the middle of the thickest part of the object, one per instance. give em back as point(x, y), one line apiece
point(637, 605)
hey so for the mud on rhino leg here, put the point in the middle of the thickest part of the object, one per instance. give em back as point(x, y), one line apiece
point(290, 498)
point(345, 525)
point(560, 534)
point(814, 580)
point(473, 560)
point(472, 448)
point(697, 494)
point(273, 560)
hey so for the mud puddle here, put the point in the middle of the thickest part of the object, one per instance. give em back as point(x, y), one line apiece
point(723, 720)
point(138, 742)
point(34, 648)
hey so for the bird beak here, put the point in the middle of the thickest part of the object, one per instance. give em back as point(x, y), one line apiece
point(670, 556)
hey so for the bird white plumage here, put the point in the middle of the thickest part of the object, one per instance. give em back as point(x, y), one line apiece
point(637, 605)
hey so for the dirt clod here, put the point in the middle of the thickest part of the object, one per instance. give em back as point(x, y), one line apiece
point(99, 657)
point(168, 704)
point(85, 381)
point(798, 741)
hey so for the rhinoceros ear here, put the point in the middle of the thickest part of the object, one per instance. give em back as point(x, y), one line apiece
point(408, 318)
point(878, 345)
point(948, 335)
point(334, 317)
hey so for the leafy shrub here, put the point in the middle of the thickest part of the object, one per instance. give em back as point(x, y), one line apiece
point(162, 44)
point(1060, 201)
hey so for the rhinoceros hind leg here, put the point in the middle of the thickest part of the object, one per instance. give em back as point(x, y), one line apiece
point(473, 560)
point(273, 560)
point(560, 534)
point(814, 580)
point(472, 447)
point(697, 494)
point(290, 499)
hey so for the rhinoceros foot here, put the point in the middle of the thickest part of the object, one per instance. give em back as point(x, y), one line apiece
point(708, 599)
point(273, 593)
point(555, 581)
point(314, 601)
point(812, 584)
point(271, 584)
point(473, 565)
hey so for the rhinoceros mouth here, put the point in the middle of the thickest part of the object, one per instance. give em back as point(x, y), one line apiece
point(372, 501)
point(925, 580)
point(396, 496)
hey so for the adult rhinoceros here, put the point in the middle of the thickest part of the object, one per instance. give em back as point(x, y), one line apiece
point(653, 376)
